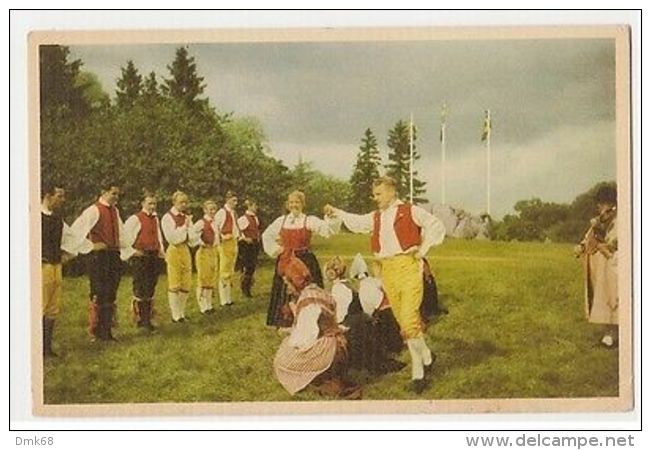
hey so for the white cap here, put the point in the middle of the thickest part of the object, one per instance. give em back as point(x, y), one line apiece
point(358, 267)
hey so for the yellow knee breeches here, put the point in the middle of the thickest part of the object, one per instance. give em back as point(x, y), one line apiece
point(207, 267)
point(402, 279)
point(52, 280)
point(179, 268)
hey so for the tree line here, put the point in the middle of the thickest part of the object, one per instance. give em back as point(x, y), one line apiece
point(161, 133)
point(537, 220)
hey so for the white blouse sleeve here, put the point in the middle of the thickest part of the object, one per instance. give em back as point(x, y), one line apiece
point(123, 240)
point(69, 242)
point(271, 236)
point(318, 226)
point(306, 331)
point(432, 229)
point(131, 230)
point(357, 223)
point(81, 227)
point(243, 223)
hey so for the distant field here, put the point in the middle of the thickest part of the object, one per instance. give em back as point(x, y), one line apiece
point(516, 329)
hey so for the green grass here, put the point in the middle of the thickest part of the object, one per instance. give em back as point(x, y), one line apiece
point(516, 329)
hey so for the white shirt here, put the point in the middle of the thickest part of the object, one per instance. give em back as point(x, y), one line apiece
point(69, 242)
point(84, 223)
point(432, 229)
point(197, 230)
point(131, 230)
point(220, 220)
point(343, 296)
point(177, 235)
point(271, 236)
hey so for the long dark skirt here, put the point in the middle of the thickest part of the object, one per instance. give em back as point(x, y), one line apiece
point(429, 307)
point(278, 314)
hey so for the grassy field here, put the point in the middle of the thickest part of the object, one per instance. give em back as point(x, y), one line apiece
point(515, 329)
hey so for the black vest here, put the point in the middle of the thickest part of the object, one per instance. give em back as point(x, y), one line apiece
point(51, 232)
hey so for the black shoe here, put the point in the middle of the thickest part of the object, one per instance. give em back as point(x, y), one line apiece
point(49, 353)
point(211, 311)
point(181, 320)
point(429, 369)
point(418, 386)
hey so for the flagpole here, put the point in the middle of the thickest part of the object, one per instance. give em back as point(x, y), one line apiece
point(411, 158)
point(443, 143)
point(488, 163)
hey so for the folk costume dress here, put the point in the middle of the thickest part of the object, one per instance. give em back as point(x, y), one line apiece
point(144, 250)
point(206, 261)
point(600, 272)
point(177, 230)
point(315, 350)
point(229, 235)
point(101, 223)
point(401, 236)
point(247, 257)
point(294, 234)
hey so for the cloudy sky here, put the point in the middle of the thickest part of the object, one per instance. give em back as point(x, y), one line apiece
point(552, 103)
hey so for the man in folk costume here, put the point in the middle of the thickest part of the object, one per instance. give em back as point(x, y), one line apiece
point(58, 244)
point(598, 249)
point(101, 227)
point(314, 352)
point(176, 225)
point(401, 236)
point(249, 246)
point(207, 258)
point(229, 235)
point(145, 251)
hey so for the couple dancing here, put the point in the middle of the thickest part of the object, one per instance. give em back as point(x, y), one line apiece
point(401, 236)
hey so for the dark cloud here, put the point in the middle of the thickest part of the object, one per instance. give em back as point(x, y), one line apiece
point(320, 97)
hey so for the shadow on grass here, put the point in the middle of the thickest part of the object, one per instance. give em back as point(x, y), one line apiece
point(456, 353)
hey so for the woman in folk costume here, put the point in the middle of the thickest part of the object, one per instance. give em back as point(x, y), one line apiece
point(314, 352)
point(291, 233)
point(366, 349)
point(598, 249)
point(401, 236)
point(374, 303)
point(229, 235)
point(102, 232)
point(177, 229)
point(249, 246)
point(145, 251)
point(207, 256)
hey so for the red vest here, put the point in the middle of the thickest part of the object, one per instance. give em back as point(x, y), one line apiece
point(404, 226)
point(253, 230)
point(107, 228)
point(179, 219)
point(147, 239)
point(208, 233)
point(295, 238)
point(227, 227)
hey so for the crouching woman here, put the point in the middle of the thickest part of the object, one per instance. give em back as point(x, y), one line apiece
point(314, 353)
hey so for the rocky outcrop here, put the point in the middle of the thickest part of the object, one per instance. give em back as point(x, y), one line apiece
point(461, 224)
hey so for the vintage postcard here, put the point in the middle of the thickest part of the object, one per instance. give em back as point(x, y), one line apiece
point(310, 221)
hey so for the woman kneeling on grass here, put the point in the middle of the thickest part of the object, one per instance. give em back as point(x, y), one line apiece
point(314, 354)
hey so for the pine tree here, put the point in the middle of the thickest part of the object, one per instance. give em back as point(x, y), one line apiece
point(398, 167)
point(60, 92)
point(129, 86)
point(150, 88)
point(366, 170)
point(184, 85)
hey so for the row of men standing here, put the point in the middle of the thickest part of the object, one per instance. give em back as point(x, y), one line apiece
point(100, 233)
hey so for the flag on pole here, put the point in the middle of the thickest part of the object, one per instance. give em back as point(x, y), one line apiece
point(444, 118)
point(486, 127)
